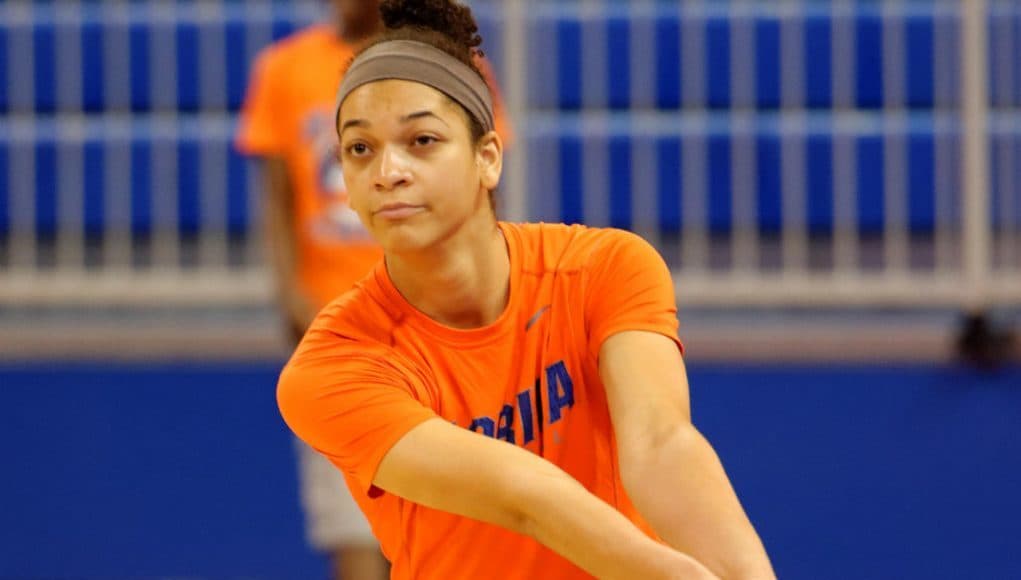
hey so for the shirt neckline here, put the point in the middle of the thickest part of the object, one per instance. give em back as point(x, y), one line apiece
point(411, 316)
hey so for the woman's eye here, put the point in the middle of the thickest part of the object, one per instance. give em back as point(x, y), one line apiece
point(424, 140)
point(357, 149)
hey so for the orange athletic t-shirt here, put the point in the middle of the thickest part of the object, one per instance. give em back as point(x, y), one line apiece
point(289, 113)
point(372, 367)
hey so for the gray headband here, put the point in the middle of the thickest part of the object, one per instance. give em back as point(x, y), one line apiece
point(411, 60)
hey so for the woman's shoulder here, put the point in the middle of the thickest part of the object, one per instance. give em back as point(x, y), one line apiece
point(571, 246)
point(359, 315)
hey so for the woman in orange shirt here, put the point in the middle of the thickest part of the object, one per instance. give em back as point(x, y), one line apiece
point(504, 400)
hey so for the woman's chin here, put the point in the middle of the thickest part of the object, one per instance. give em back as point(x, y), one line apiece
point(403, 241)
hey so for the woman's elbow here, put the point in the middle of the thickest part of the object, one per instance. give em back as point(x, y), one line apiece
point(647, 453)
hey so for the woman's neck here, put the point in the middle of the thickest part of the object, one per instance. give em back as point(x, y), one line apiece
point(465, 283)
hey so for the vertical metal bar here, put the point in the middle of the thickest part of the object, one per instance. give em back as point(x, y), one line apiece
point(515, 91)
point(645, 190)
point(22, 199)
point(1006, 52)
point(214, 144)
point(895, 130)
point(214, 140)
point(166, 239)
point(845, 218)
point(975, 182)
point(945, 49)
point(695, 233)
point(116, 19)
point(744, 166)
point(70, 140)
point(793, 134)
point(258, 34)
point(68, 24)
point(116, 138)
point(595, 190)
point(117, 204)
point(21, 65)
point(594, 121)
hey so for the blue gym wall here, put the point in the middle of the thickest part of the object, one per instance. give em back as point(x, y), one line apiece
point(128, 471)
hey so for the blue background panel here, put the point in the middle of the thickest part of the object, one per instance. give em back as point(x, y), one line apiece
point(136, 470)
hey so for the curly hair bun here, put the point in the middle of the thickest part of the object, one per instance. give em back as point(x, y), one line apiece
point(447, 17)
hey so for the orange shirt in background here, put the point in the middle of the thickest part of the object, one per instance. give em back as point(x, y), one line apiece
point(372, 367)
point(288, 113)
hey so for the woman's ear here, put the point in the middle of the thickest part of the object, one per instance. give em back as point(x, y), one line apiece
point(489, 159)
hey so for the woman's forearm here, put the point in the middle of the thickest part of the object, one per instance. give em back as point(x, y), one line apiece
point(565, 517)
point(682, 490)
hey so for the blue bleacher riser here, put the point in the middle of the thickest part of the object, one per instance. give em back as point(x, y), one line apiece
point(140, 56)
point(557, 47)
point(570, 33)
point(93, 72)
point(572, 174)
point(46, 185)
point(188, 185)
point(45, 73)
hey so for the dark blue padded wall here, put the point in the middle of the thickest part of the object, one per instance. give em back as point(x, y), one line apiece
point(154, 471)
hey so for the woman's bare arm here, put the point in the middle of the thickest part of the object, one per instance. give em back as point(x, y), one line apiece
point(671, 473)
point(445, 467)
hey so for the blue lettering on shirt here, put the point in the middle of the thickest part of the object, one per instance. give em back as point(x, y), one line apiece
point(559, 398)
point(560, 390)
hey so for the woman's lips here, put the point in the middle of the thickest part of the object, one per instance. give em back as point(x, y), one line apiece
point(398, 211)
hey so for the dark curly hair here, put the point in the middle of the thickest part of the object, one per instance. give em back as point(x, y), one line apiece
point(445, 24)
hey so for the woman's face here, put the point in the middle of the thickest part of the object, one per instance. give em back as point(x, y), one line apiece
point(411, 170)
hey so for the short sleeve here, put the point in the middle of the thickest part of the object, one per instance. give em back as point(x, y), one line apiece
point(258, 131)
point(628, 287)
point(349, 403)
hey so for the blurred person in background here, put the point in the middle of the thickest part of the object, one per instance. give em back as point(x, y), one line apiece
point(317, 244)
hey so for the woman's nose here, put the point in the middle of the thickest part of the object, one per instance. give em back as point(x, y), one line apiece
point(393, 169)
